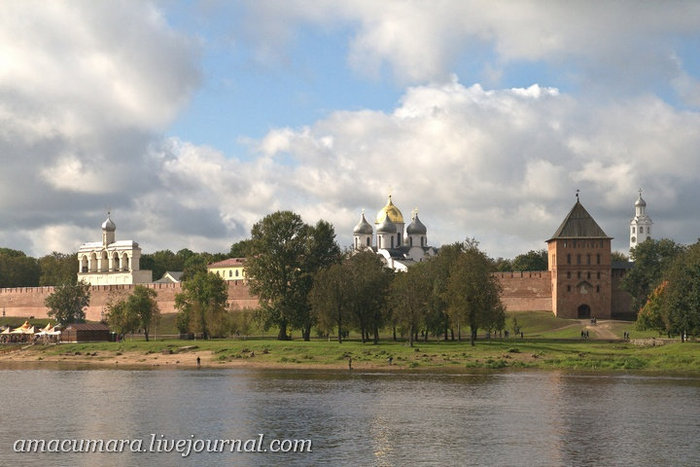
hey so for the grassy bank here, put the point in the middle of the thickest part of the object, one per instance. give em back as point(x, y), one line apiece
point(515, 353)
point(548, 343)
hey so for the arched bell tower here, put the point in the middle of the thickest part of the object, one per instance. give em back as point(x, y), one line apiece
point(640, 225)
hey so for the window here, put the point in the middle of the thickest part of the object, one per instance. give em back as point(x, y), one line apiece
point(564, 243)
point(230, 273)
point(579, 274)
point(237, 271)
point(597, 258)
point(597, 288)
point(598, 275)
point(588, 259)
point(410, 241)
point(633, 231)
point(568, 258)
point(578, 259)
point(641, 229)
point(588, 275)
point(568, 275)
point(568, 288)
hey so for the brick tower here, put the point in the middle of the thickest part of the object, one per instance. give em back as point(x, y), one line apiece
point(580, 266)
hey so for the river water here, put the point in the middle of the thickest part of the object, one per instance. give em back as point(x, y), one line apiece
point(351, 418)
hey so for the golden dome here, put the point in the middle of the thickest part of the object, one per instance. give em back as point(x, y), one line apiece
point(391, 211)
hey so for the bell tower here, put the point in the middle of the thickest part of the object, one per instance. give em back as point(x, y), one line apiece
point(640, 225)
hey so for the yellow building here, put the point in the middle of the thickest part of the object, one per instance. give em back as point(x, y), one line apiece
point(231, 269)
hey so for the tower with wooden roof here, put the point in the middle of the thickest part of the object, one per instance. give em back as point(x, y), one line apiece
point(580, 265)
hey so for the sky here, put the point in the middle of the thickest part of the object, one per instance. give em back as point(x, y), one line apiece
point(191, 120)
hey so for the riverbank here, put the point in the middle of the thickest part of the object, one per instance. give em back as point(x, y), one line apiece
point(386, 356)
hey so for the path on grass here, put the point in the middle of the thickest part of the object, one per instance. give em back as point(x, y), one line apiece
point(602, 330)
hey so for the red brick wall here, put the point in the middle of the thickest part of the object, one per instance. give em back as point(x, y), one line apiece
point(29, 301)
point(526, 291)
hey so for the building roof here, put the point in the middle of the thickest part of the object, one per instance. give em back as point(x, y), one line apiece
point(416, 227)
point(363, 227)
point(170, 277)
point(87, 327)
point(227, 263)
point(578, 224)
point(390, 211)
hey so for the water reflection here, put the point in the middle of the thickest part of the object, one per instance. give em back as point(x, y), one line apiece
point(479, 418)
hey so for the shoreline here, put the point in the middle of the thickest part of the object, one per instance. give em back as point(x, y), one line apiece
point(609, 357)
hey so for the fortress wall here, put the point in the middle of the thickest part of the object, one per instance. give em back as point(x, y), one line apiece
point(522, 291)
point(526, 291)
point(29, 301)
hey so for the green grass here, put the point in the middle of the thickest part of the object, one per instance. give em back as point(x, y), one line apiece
point(549, 343)
point(528, 353)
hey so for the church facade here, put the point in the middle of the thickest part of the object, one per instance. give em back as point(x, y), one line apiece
point(111, 262)
point(399, 245)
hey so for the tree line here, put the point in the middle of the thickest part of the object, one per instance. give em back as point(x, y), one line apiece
point(665, 286)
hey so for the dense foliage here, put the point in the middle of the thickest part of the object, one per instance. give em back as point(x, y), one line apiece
point(67, 302)
point(283, 256)
point(202, 306)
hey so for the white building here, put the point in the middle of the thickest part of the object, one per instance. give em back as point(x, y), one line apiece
point(640, 225)
point(111, 262)
point(398, 245)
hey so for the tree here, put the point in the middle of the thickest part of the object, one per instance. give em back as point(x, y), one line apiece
point(410, 292)
point(330, 299)
point(321, 250)
point(650, 316)
point(18, 269)
point(474, 292)
point(651, 259)
point(58, 268)
point(531, 261)
point(239, 249)
point(283, 256)
point(439, 266)
point(202, 305)
point(67, 302)
point(680, 306)
point(120, 318)
point(368, 282)
point(143, 305)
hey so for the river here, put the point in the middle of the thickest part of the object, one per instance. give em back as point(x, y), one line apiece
point(350, 418)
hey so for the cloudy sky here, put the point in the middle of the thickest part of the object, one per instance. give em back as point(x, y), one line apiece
point(193, 120)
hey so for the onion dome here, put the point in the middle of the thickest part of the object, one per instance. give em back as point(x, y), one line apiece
point(386, 227)
point(416, 227)
point(640, 201)
point(108, 225)
point(389, 211)
point(363, 227)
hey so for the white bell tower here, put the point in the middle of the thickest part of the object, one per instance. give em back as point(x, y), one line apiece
point(640, 225)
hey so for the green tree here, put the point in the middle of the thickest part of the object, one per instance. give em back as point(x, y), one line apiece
point(58, 268)
point(120, 318)
point(330, 299)
point(681, 298)
point(410, 292)
point(161, 261)
point(143, 305)
point(438, 320)
point(474, 292)
point(531, 261)
point(283, 256)
point(368, 281)
point(651, 260)
point(239, 249)
point(321, 250)
point(18, 269)
point(67, 302)
point(202, 305)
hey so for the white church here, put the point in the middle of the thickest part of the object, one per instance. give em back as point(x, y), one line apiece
point(111, 262)
point(398, 244)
